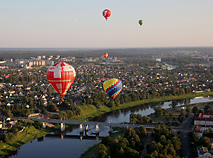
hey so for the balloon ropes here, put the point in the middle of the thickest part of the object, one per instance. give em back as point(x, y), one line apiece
point(106, 13)
point(112, 87)
point(61, 76)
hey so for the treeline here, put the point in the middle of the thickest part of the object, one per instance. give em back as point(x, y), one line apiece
point(138, 118)
point(100, 98)
point(129, 146)
point(165, 143)
point(28, 105)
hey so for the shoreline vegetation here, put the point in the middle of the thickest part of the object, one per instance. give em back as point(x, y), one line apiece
point(91, 151)
point(28, 134)
point(87, 113)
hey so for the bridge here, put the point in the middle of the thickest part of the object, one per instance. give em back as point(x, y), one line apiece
point(97, 124)
point(75, 122)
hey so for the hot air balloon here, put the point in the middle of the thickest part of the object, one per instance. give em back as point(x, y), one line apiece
point(105, 55)
point(112, 87)
point(61, 76)
point(106, 13)
point(140, 22)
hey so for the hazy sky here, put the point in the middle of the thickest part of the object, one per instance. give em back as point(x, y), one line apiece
point(80, 24)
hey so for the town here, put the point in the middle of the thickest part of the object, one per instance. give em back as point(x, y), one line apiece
point(25, 90)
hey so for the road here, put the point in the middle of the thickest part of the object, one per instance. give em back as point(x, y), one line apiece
point(187, 125)
point(186, 145)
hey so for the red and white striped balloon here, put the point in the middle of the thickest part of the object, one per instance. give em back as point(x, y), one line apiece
point(61, 76)
point(106, 13)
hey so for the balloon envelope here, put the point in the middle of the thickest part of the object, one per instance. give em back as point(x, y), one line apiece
point(112, 87)
point(61, 76)
point(106, 13)
point(140, 22)
point(105, 55)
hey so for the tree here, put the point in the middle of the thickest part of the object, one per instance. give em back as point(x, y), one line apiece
point(174, 104)
point(146, 119)
point(182, 112)
point(195, 110)
point(25, 99)
point(188, 108)
point(9, 113)
point(129, 152)
point(51, 106)
point(158, 112)
point(208, 109)
point(142, 132)
point(205, 141)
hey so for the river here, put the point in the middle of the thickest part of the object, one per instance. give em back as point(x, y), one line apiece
point(57, 146)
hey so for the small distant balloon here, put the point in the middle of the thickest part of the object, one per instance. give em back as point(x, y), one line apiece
point(105, 55)
point(61, 76)
point(140, 22)
point(106, 13)
point(112, 87)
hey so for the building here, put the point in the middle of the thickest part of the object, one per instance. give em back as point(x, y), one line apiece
point(36, 63)
point(49, 62)
point(203, 120)
point(203, 152)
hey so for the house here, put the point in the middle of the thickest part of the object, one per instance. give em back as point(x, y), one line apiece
point(204, 153)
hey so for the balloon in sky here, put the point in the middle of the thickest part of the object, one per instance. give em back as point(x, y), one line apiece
point(112, 87)
point(140, 22)
point(106, 13)
point(105, 55)
point(61, 76)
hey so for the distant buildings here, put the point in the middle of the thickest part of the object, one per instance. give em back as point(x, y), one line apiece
point(36, 63)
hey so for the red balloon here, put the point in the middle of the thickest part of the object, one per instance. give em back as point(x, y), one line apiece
point(106, 13)
point(105, 55)
point(61, 76)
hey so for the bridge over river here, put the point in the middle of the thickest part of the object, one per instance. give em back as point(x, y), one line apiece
point(121, 125)
point(74, 122)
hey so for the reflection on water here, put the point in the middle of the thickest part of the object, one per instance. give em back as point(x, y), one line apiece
point(123, 115)
point(54, 148)
point(65, 147)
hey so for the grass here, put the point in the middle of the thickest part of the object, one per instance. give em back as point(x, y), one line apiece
point(29, 134)
point(90, 111)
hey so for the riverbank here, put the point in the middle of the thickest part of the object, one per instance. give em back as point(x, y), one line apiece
point(172, 111)
point(29, 134)
point(90, 111)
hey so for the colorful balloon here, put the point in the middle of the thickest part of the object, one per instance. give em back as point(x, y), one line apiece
point(106, 13)
point(140, 22)
point(112, 87)
point(105, 55)
point(61, 76)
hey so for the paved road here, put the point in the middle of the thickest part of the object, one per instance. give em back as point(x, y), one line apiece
point(186, 145)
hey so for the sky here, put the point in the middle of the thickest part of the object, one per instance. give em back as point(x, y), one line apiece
point(80, 24)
